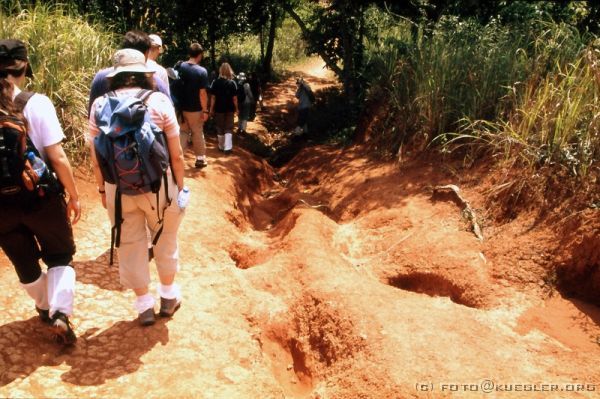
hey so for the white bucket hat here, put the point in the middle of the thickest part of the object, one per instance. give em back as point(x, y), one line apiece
point(129, 60)
point(156, 41)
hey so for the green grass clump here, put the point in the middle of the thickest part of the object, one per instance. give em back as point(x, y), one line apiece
point(527, 91)
point(65, 52)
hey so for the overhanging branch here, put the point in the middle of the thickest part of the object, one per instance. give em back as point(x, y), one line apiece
point(328, 61)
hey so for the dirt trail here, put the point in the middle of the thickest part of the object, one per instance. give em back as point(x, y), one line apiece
point(336, 277)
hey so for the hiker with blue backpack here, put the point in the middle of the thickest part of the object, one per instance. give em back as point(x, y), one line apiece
point(139, 168)
point(35, 219)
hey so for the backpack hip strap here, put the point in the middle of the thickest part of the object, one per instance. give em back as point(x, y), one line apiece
point(115, 231)
point(161, 221)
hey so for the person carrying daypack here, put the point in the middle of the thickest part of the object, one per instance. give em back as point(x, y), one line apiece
point(176, 85)
point(306, 99)
point(245, 101)
point(34, 175)
point(194, 100)
point(138, 166)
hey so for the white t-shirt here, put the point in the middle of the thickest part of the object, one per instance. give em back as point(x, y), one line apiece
point(160, 71)
point(43, 126)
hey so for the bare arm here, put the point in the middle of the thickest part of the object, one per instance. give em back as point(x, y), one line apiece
point(60, 164)
point(212, 104)
point(204, 103)
point(176, 155)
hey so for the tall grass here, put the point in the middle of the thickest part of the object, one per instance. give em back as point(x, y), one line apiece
point(526, 91)
point(65, 52)
point(555, 119)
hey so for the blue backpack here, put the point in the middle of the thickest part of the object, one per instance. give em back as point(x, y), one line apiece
point(131, 152)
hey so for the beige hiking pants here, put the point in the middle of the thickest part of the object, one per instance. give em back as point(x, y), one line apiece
point(195, 123)
point(139, 211)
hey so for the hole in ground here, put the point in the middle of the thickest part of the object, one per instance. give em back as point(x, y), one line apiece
point(579, 275)
point(433, 285)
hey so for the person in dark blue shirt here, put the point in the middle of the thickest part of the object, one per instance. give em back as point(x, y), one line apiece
point(194, 100)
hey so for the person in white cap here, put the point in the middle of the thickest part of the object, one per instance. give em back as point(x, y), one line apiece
point(34, 227)
point(129, 77)
point(155, 51)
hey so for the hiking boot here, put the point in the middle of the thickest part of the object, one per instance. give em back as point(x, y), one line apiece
point(63, 329)
point(200, 163)
point(169, 306)
point(147, 318)
point(44, 315)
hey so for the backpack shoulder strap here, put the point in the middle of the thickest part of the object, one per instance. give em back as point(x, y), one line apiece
point(22, 98)
point(144, 94)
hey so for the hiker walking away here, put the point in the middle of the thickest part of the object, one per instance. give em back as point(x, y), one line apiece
point(35, 219)
point(133, 39)
point(256, 89)
point(138, 166)
point(194, 100)
point(140, 41)
point(306, 98)
point(245, 101)
point(223, 106)
point(156, 49)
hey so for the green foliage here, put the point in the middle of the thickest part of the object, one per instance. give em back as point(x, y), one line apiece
point(243, 51)
point(522, 90)
point(329, 120)
point(65, 52)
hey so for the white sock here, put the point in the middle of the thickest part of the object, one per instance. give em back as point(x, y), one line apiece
point(169, 291)
point(221, 140)
point(61, 289)
point(228, 142)
point(200, 158)
point(143, 303)
point(38, 291)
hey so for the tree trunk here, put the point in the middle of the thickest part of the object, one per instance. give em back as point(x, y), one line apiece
point(348, 44)
point(213, 50)
point(268, 59)
point(262, 46)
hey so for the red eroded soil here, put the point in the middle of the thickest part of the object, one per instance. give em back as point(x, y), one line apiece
point(337, 276)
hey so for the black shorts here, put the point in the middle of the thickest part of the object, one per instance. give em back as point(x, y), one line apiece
point(42, 230)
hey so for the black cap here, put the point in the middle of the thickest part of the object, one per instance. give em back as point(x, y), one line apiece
point(12, 50)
